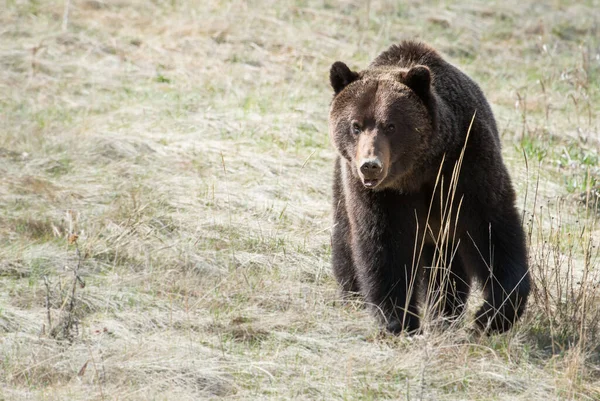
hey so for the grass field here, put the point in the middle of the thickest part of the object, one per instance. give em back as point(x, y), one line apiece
point(165, 174)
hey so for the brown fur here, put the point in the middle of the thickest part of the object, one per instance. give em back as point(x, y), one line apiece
point(396, 125)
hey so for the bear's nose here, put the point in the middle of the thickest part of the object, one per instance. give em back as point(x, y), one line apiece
point(371, 167)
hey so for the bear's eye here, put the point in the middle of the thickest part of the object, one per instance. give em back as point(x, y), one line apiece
point(356, 128)
point(390, 128)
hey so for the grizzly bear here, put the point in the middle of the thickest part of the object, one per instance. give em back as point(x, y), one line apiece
point(423, 204)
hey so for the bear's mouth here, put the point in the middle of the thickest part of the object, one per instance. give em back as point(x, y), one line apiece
point(370, 182)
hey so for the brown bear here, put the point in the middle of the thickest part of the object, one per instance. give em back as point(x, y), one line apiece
point(423, 203)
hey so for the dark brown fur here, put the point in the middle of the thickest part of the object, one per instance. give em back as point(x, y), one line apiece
point(410, 111)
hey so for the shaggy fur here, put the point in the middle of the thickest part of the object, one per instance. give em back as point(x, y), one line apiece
point(402, 233)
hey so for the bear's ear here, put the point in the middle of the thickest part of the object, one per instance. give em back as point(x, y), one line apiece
point(418, 78)
point(340, 76)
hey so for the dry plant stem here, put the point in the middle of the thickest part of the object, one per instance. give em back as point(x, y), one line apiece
point(97, 376)
point(65, 19)
point(47, 302)
point(444, 247)
point(69, 320)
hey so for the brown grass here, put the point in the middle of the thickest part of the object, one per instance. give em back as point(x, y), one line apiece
point(185, 143)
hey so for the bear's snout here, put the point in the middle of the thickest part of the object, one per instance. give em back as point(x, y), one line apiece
point(372, 158)
point(371, 170)
point(371, 167)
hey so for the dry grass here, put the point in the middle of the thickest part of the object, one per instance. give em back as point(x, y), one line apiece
point(185, 144)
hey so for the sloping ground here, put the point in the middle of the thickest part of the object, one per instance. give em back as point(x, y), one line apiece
point(164, 194)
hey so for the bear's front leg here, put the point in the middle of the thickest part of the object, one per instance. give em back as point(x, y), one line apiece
point(383, 245)
point(388, 280)
point(341, 251)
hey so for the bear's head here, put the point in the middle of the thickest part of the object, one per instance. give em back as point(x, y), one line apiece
point(380, 121)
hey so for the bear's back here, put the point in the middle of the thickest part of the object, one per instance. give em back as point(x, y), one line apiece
point(456, 91)
point(407, 54)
